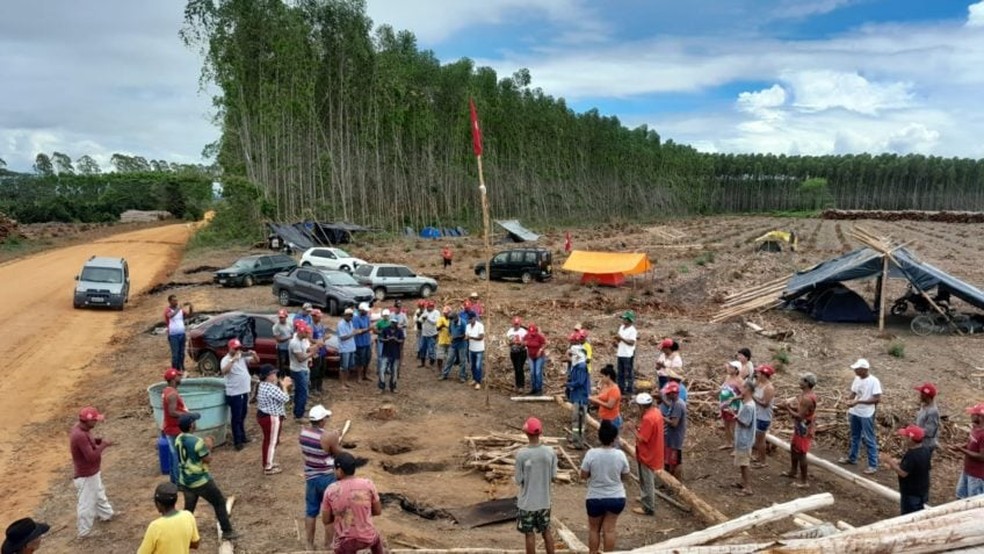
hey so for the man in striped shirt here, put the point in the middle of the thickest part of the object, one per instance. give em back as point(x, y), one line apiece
point(271, 400)
point(319, 447)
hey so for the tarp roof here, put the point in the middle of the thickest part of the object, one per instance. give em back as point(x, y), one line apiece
point(866, 263)
point(291, 235)
point(306, 234)
point(516, 230)
point(627, 263)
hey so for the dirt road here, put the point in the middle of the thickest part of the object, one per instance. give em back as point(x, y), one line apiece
point(49, 348)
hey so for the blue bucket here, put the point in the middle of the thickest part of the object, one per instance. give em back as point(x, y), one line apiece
point(204, 395)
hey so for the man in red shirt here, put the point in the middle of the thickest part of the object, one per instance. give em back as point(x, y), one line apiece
point(87, 458)
point(536, 353)
point(972, 479)
point(174, 406)
point(649, 451)
point(446, 256)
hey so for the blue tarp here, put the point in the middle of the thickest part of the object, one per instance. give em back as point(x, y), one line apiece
point(430, 233)
point(867, 264)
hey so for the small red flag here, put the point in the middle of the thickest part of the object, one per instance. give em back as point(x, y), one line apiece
point(476, 131)
point(567, 242)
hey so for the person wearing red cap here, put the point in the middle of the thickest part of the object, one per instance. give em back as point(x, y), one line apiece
point(674, 413)
point(302, 351)
point(804, 413)
point(971, 481)
point(928, 416)
point(536, 353)
point(765, 394)
point(517, 352)
point(536, 467)
point(913, 470)
point(282, 333)
point(87, 458)
point(235, 371)
point(669, 358)
point(173, 406)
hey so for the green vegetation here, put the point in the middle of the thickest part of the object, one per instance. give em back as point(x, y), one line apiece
point(238, 216)
point(896, 349)
point(705, 258)
point(781, 357)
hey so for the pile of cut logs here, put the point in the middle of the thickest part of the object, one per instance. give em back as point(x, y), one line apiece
point(8, 228)
point(905, 215)
point(759, 298)
point(495, 455)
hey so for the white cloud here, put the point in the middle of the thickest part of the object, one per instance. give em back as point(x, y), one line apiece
point(975, 15)
point(763, 103)
point(795, 9)
point(818, 90)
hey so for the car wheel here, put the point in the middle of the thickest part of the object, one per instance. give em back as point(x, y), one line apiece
point(346, 269)
point(526, 277)
point(283, 297)
point(425, 291)
point(76, 305)
point(332, 306)
point(208, 364)
point(248, 281)
point(380, 293)
point(306, 264)
point(482, 274)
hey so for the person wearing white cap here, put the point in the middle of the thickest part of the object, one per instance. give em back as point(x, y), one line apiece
point(363, 340)
point(319, 447)
point(865, 395)
point(649, 451)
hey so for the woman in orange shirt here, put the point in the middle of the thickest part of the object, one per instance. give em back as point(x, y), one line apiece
point(609, 398)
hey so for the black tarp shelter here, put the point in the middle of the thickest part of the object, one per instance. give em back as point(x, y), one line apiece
point(516, 231)
point(305, 234)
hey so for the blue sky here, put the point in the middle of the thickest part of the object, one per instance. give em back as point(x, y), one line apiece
point(782, 76)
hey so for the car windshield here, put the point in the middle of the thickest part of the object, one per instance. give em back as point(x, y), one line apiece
point(341, 280)
point(341, 253)
point(102, 275)
point(246, 263)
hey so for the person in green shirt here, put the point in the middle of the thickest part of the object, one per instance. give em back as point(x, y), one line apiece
point(175, 532)
point(193, 475)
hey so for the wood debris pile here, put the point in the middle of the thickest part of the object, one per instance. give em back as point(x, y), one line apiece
point(8, 228)
point(142, 216)
point(906, 215)
point(759, 298)
point(495, 455)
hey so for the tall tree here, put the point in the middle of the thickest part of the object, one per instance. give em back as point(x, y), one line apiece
point(87, 165)
point(63, 163)
point(43, 166)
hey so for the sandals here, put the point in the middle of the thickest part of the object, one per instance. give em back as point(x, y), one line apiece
point(272, 470)
point(800, 485)
point(744, 492)
point(788, 475)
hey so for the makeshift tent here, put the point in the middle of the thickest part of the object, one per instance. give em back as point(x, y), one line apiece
point(306, 234)
point(838, 304)
point(430, 233)
point(516, 231)
point(773, 241)
point(606, 268)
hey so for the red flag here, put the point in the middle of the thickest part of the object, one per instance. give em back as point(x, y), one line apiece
point(567, 242)
point(476, 131)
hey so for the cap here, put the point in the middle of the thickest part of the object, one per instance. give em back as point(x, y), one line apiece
point(629, 315)
point(574, 337)
point(671, 388)
point(297, 323)
point(533, 328)
point(171, 373)
point(346, 462)
point(318, 413)
point(644, 399)
point(735, 364)
point(666, 343)
point(302, 328)
point(861, 364)
point(430, 305)
point(185, 420)
point(517, 320)
point(446, 310)
point(533, 426)
point(976, 410)
point(473, 295)
point(166, 493)
point(21, 533)
point(307, 307)
point(363, 307)
point(282, 313)
point(385, 312)
point(421, 303)
point(90, 414)
point(914, 432)
point(266, 370)
point(810, 379)
point(348, 311)
point(234, 344)
point(315, 313)
point(766, 370)
point(927, 389)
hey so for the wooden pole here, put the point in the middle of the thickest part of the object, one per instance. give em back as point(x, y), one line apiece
point(568, 536)
point(881, 294)
point(747, 521)
point(705, 511)
point(877, 488)
point(487, 316)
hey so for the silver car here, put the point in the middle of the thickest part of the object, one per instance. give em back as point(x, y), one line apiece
point(103, 282)
point(394, 280)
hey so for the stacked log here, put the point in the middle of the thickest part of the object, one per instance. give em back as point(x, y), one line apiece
point(495, 455)
point(759, 298)
point(8, 228)
point(905, 215)
point(142, 216)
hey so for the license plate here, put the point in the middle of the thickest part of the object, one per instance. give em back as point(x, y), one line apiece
point(97, 300)
point(222, 281)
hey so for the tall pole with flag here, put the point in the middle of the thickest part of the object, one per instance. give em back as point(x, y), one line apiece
point(487, 316)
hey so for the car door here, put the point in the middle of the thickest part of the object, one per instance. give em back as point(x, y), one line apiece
point(498, 267)
point(318, 289)
point(326, 259)
point(386, 277)
point(408, 280)
point(302, 285)
point(266, 269)
point(264, 345)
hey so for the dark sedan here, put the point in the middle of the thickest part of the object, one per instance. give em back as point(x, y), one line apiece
point(249, 270)
point(207, 342)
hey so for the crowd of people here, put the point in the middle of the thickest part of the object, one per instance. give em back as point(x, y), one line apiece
point(655, 421)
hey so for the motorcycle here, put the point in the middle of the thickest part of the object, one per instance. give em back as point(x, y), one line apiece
point(919, 302)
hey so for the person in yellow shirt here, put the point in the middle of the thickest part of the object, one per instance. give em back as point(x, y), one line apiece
point(443, 337)
point(175, 532)
point(586, 345)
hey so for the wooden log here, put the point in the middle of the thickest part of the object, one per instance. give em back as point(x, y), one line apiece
point(570, 539)
point(747, 521)
point(531, 398)
point(226, 547)
point(705, 511)
point(345, 429)
point(569, 460)
point(843, 526)
point(957, 506)
point(877, 488)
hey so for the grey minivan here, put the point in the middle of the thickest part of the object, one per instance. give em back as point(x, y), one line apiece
point(104, 282)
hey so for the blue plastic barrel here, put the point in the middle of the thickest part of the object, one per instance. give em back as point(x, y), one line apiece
point(164, 455)
point(204, 395)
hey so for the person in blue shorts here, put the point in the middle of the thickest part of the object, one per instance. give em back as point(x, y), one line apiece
point(603, 468)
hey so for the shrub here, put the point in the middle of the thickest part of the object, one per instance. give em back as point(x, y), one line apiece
point(896, 349)
point(781, 357)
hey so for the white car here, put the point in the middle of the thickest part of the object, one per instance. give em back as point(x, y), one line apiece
point(330, 258)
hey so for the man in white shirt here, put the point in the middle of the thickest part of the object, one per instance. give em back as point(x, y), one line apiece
point(865, 395)
point(235, 370)
point(626, 343)
point(174, 318)
point(301, 351)
point(475, 335)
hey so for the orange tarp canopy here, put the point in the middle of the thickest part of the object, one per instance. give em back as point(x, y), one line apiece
point(582, 261)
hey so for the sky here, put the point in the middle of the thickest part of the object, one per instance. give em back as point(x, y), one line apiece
point(772, 76)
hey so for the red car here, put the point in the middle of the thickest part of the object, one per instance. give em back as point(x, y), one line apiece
point(207, 342)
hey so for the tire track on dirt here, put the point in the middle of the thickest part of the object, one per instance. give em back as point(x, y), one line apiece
point(52, 349)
